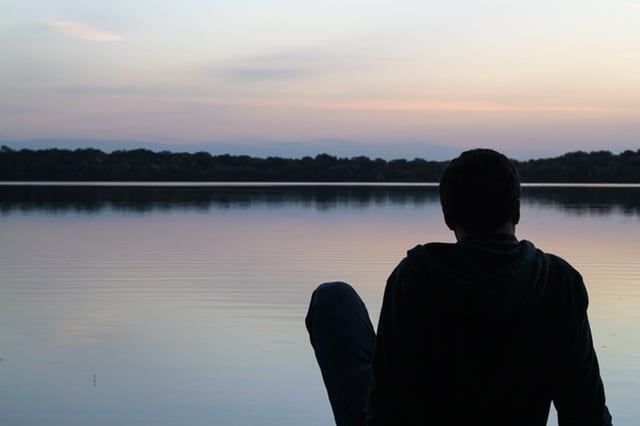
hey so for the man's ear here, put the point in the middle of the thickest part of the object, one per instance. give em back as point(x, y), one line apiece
point(515, 216)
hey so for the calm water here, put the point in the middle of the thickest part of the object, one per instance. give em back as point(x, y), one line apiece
point(185, 305)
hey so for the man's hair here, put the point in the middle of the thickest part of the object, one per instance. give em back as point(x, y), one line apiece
point(479, 190)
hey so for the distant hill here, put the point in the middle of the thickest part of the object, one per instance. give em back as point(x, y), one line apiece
point(146, 165)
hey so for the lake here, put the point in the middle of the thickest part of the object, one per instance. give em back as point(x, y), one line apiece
point(184, 305)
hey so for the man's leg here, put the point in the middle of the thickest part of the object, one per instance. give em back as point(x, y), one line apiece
point(343, 340)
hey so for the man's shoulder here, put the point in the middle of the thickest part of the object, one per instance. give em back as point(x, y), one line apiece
point(560, 280)
point(567, 281)
point(423, 257)
point(523, 251)
point(559, 267)
point(437, 262)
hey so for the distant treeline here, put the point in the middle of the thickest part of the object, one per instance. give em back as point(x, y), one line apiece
point(144, 165)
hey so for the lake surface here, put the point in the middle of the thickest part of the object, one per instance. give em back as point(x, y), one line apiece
point(184, 305)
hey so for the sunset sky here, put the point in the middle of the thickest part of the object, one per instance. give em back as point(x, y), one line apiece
point(531, 78)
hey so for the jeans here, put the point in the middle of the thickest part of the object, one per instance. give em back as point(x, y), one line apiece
point(343, 340)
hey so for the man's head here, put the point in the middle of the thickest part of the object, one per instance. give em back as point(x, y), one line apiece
point(480, 192)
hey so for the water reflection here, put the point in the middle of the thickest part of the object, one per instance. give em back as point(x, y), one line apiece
point(93, 199)
point(592, 200)
point(192, 312)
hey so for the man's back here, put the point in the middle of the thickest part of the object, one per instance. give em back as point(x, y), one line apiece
point(491, 330)
point(486, 331)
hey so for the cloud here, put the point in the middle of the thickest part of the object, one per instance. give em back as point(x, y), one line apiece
point(83, 31)
point(296, 64)
point(398, 105)
point(262, 74)
point(127, 90)
point(346, 104)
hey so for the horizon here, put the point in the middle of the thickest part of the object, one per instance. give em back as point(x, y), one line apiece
point(532, 79)
point(261, 152)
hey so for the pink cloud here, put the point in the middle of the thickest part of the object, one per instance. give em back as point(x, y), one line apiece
point(399, 105)
point(83, 31)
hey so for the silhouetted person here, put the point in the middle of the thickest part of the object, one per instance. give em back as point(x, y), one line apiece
point(489, 330)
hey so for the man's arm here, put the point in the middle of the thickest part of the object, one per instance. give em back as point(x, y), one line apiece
point(394, 382)
point(380, 408)
point(579, 397)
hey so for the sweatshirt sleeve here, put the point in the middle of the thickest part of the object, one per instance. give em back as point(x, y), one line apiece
point(579, 397)
point(380, 408)
point(393, 369)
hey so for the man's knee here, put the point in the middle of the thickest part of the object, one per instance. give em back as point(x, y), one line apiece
point(330, 291)
point(328, 299)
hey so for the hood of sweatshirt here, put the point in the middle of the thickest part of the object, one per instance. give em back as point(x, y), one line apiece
point(491, 281)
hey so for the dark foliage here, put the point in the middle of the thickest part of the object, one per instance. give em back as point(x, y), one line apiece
point(592, 167)
point(144, 165)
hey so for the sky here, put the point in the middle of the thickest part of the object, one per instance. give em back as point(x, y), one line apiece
point(530, 78)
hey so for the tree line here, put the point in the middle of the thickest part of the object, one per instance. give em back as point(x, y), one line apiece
point(145, 165)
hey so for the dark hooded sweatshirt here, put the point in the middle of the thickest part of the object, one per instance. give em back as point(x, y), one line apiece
point(487, 333)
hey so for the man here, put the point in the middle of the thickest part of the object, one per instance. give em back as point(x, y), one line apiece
point(489, 330)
